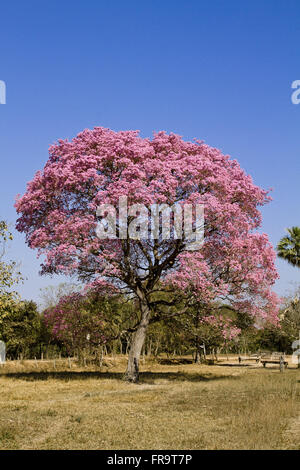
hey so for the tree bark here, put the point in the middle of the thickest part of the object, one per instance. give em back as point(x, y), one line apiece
point(137, 342)
point(149, 348)
point(197, 356)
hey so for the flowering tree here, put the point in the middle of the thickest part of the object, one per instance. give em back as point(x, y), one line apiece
point(58, 216)
point(219, 329)
point(77, 322)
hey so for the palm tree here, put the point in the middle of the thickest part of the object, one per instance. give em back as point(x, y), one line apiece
point(289, 246)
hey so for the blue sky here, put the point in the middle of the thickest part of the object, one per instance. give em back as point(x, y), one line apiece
point(220, 71)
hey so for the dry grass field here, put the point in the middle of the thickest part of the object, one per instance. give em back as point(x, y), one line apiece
point(177, 405)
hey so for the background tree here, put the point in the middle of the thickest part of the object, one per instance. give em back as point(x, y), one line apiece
point(85, 322)
point(209, 327)
point(51, 295)
point(289, 246)
point(9, 276)
point(20, 330)
point(58, 215)
point(290, 319)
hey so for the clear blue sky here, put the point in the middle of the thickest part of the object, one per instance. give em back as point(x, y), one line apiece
point(220, 71)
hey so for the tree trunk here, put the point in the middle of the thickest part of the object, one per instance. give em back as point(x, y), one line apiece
point(149, 349)
point(101, 357)
point(156, 348)
point(197, 352)
point(197, 356)
point(137, 342)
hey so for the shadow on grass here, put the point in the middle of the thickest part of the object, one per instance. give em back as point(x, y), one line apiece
point(224, 364)
point(145, 377)
point(174, 362)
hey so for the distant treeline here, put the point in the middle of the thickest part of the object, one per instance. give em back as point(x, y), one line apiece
point(92, 325)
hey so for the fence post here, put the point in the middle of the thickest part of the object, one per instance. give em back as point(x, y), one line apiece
point(281, 366)
point(101, 357)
